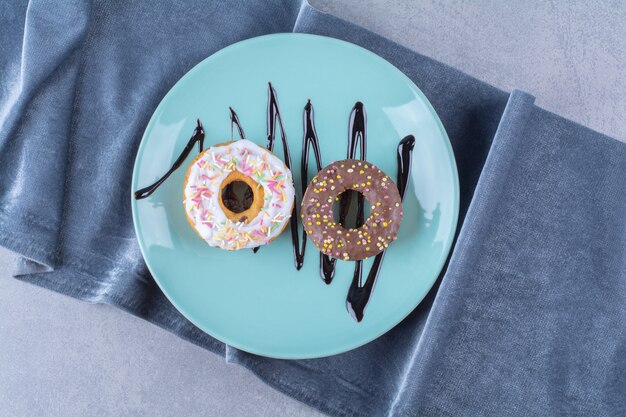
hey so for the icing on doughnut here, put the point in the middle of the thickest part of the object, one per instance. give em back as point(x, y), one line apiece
point(267, 176)
point(380, 228)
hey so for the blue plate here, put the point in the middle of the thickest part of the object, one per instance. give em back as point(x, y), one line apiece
point(259, 302)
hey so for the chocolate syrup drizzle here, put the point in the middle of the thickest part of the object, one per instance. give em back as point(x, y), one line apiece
point(359, 294)
point(357, 136)
point(309, 140)
point(198, 136)
point(273, 119)
point(234, 121)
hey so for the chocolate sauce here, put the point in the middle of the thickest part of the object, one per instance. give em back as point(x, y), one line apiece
point(274, 119)
point(357, 136)
point(234, 121)
point(237, 197)
point(198, 136)
point(359, 293)
point(310, 140)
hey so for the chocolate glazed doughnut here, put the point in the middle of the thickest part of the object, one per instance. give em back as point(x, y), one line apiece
point(380, 228)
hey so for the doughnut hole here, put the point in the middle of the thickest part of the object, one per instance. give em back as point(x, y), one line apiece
point(240, 197)
point(349, 199)
point(237, 196)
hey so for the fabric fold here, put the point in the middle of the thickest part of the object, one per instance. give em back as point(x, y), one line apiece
point(36, 109)
point(535, 289)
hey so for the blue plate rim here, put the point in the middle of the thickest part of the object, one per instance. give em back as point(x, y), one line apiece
point(344, 348)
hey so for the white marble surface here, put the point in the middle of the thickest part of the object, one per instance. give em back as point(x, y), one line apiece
point(62, 357)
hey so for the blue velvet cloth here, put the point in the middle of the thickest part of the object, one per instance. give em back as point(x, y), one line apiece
point(529, 316)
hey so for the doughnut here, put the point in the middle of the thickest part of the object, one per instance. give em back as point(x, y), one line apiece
point(228, 224)
point(379, 229)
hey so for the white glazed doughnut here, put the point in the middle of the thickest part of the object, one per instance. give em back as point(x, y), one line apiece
point(267, 176)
